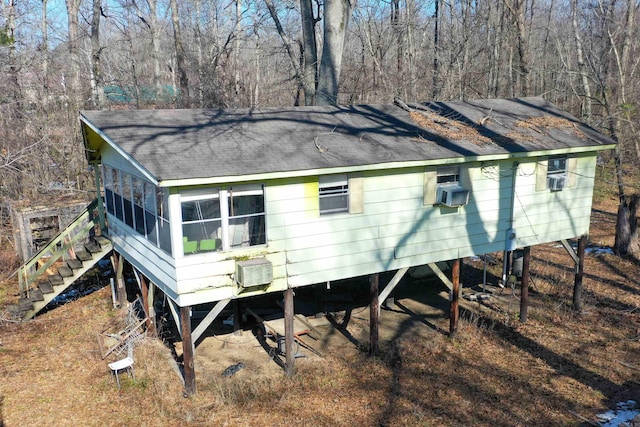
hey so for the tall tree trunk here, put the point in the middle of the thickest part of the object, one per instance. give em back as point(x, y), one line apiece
point(7, 39)
point(309, 52)
point(236, 49)
point(435, 93)
point(626, 239)
point(410, 19)
point(582, 68)
point(97, 86)
point(199, 54)
point(517, 9)
point(183, 96)
point(336, 21)
point(73, 7)
point(45, 56)
point(397, 26)
point(155, 50)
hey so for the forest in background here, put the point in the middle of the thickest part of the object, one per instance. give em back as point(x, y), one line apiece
point(581, 55)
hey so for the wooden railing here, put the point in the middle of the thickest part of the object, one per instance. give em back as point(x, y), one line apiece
point(60, 245)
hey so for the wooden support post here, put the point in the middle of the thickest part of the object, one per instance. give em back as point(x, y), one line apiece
point(121, 290)
point(577, 285)
point(237, 318)
point(374, 281)
point(101, 214)
point(144, 290)
point(152, 309)
point(289, 332)
point(455, 294)
point(524, 291)
point(187, 351)
point(146, 304)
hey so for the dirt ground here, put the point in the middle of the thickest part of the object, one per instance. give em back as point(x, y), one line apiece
point(560, 368)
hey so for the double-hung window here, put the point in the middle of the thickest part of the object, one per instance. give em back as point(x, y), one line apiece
point(201, 222)
point(333, 191)
point(557, 173)
point(246, 216)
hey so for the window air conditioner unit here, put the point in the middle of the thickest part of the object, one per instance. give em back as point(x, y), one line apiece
point(254, 272)
point(556, 182)
point(452, 195)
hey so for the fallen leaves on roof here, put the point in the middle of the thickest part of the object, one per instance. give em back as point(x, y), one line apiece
point(448, 128)
point(548, 122)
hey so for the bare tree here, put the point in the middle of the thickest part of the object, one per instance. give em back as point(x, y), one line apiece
point(582, 68)
point(73, 8)
point(336, 21)
point(183, 97)
point(97, 86)
point(309, 51)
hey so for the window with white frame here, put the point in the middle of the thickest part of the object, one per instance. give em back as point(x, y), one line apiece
point(449, 192)
point(201, 222)
point(448, 175)
point(223, 219)
point(139, 204)
point(557, 173)
point(333, 192)
point(246, 220)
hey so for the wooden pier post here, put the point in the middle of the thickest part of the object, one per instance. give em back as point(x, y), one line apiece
point(455, 295)
point(577, 285)
point(289, 332)
point(98, 184)
point(237, 318)
point(187, 351)
point(374, 282)
point(147, 305)
point(121, 290)
point(524, 291)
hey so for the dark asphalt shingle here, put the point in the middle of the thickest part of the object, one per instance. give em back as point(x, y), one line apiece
point(186, 144)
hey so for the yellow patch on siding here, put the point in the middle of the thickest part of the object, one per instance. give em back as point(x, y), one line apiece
point(311, 200)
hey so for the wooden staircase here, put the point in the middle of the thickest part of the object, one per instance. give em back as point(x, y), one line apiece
point(66, 258)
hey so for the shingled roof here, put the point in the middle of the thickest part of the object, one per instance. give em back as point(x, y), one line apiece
point(205, 143)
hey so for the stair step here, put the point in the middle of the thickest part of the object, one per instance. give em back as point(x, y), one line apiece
point(45, 287)
point(65, 271)
point(14, 310)
point(25, 304)
point(93, 248)
point(74, 264)
point(56, 279)
point(36, 295)
point(102, 241)
point(83, 255)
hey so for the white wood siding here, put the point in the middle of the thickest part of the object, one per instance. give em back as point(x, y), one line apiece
point(397, 226)
point(397, 229)
point(153, 262)
point(542, 215)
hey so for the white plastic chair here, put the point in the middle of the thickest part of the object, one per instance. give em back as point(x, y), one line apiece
point(122, 365)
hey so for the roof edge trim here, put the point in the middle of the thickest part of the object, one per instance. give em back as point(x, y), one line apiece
point(377, 166)
point(117, 148)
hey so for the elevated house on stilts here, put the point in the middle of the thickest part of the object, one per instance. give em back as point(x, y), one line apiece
point(211, 206)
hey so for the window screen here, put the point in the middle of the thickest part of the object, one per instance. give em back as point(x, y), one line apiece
point(333, 194)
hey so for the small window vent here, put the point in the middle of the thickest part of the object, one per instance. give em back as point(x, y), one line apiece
point(452, 195)
point(556, 183)
point(254, 272)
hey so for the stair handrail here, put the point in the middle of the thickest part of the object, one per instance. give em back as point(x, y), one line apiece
point(80, 226)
